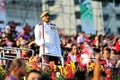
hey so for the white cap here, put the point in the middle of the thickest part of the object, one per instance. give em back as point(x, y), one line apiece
point(7, 27)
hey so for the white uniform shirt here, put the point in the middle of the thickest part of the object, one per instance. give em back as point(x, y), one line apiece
point(51, 37)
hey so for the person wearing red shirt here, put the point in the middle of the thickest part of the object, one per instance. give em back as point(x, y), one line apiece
point(27, 29)
point(117, 45)
point(95, 41)
point(73, 56)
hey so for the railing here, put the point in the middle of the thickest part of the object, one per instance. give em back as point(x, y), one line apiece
point(18, 50)
point(5, 53)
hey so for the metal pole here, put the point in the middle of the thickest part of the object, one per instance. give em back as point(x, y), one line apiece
point(43, 46)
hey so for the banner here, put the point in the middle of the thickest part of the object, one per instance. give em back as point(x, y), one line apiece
point(86, 13)
point(2, 15)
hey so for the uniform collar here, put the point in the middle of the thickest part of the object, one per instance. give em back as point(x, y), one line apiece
point(46, 23)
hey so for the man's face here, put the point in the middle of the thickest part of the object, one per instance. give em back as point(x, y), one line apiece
point(46, 18)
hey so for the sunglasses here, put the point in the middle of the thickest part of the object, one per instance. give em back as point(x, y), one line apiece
point(47, 15)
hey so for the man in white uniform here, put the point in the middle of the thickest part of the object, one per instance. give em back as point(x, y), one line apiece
point(48, 37)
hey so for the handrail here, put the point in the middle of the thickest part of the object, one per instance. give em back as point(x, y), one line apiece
point(20, 49)
point(17, 51)
point(7, 49)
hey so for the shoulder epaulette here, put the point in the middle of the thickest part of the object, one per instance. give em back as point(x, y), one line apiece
point(40, 23)
point(52, 24)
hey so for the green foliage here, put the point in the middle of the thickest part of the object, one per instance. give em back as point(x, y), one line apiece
point(2, 73)
point(60, 77)
point(117, 78)
point(48, 73)
point(28, 68)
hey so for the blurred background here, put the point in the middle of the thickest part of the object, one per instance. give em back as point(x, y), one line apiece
point(66, 14)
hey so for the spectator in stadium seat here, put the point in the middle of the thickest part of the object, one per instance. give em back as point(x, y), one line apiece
point(72, 55)
point(106, 55)
point(22, 34)
point(81, 38)
point(18, 28)
point(27, 29)
point(117, 45)
point(8, 42)
point(22, 41)
point(7, 33)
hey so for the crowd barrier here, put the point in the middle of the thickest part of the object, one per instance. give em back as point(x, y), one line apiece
point(4, 57)
point(9, 53)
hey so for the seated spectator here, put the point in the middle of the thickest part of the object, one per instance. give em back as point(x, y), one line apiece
point(22, 42)
point(95, 41)
point(18, 28)
point(27, 29)
point(117, 45)
point(106, 55)
point(22, 34)
point(72, 55)
point(8, 42)
point(7, 33)
point(81, 38)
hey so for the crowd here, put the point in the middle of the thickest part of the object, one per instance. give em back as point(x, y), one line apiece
point(80, 53)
